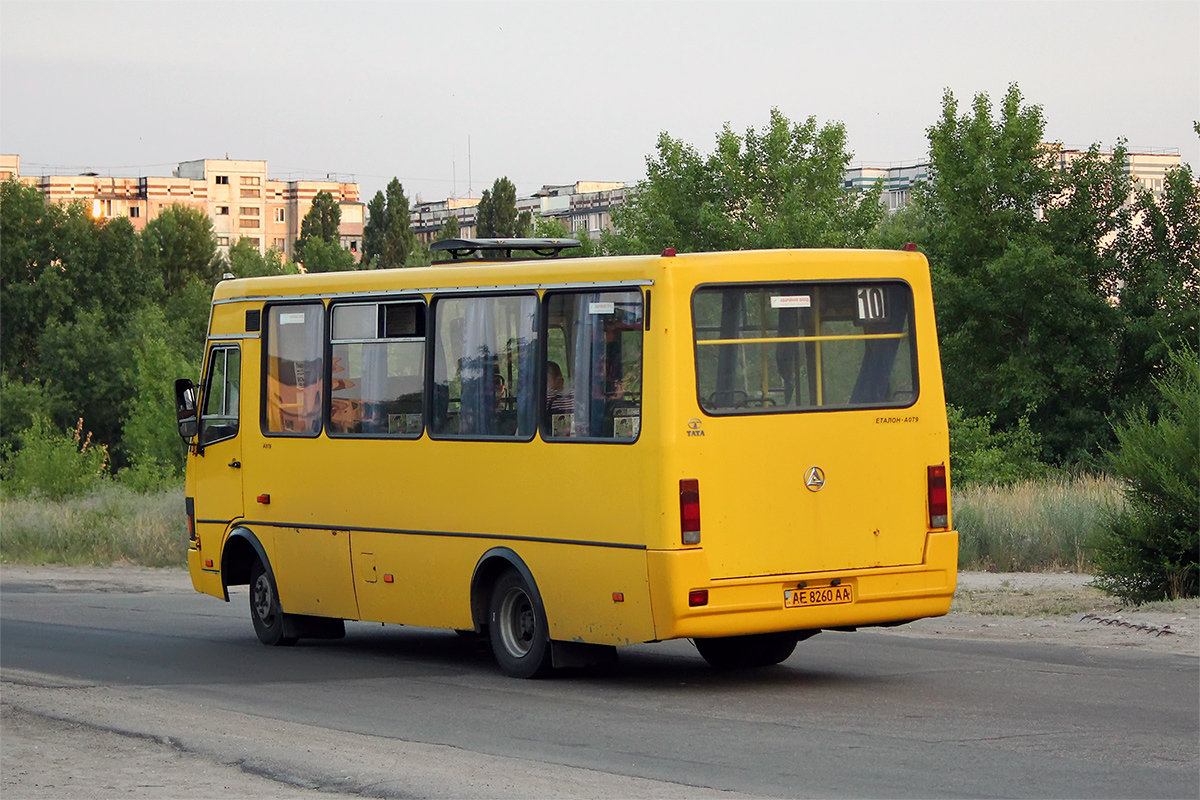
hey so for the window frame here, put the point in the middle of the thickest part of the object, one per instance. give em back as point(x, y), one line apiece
point(747, 285)
point(264, 335)
point(431, 332)
point(544, 357)
point(222, 346)
point(382, 300)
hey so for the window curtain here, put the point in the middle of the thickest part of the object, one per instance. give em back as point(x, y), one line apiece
point(374, 392)
point(479, 367)
point(588, 368)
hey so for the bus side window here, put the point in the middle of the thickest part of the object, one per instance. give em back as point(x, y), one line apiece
point(599, 393)
point(484, 352)
point(295, 354)
point(219, 417)
point(377, 369)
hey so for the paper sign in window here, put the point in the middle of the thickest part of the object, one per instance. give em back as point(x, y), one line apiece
point(791, 301)
point(292, 319)
point(601, 308)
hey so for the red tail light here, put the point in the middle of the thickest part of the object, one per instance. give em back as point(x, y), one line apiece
point(698, 597)
point(939, 502)
point(689, 510)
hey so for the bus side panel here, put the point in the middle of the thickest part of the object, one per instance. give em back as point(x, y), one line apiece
point(309, 573)
point(430, 584)
point(414, 580)
point(598, 595)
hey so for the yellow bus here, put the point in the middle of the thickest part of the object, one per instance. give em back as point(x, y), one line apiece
point(570, 455)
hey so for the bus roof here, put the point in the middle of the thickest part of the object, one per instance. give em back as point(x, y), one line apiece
point(732, 266)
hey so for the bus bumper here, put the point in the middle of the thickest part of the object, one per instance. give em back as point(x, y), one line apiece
point(741, 606)
point(206, 580)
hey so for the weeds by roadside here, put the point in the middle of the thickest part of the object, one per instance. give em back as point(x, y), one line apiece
point(1033, 526)
point(111, 523)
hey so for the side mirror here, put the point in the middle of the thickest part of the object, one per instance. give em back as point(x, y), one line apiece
point(185, 409)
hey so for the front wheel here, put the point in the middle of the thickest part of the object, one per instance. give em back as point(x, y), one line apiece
point(741, 652)
point(265, 611)
point(518, 631)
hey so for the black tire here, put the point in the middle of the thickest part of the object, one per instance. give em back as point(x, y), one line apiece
point(265, 611)
point(743, 652)
point(517, 628)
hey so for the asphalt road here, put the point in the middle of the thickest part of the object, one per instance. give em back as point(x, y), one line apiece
point(867, 714)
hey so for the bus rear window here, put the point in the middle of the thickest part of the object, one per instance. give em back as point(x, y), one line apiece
point(804, 347)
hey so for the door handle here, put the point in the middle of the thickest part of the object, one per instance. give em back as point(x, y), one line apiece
point(235, 464)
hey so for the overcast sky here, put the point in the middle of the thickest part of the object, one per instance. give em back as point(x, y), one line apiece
point(565, 91)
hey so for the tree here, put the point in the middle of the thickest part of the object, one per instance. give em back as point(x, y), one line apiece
point(778, 187)
point(398, 237)
point(323, 256)
point(178, 245)
point(553, 229)
point(1159, 273)
point(449, 230)
point(1021, 275)
point(388, 239)
point(246, 262)
point(323, 221)
point(373, 229)
point(497, 215)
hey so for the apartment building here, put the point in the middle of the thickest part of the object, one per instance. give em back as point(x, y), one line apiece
point(1148, 169)
point(237, 195)
point(583, 207)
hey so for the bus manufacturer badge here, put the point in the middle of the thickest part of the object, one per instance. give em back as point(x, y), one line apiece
point(814, 479)
point(694, 427)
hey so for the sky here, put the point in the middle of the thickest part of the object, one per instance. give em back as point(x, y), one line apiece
point(449, 96)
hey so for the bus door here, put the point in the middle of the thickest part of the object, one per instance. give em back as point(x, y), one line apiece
point(217, 460)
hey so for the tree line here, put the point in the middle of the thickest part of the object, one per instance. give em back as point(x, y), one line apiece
point(1066, 297)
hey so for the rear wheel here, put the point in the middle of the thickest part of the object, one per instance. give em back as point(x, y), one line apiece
point(741, 652)
point(265, 611)
point(517, 628)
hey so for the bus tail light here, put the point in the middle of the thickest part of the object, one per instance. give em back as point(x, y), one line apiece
point(698, 597)
point(689, 510)
point(939, 502)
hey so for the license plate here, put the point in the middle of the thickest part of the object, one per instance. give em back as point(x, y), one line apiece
point(817, 596)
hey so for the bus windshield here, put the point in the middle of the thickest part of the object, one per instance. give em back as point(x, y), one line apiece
point(804, 347)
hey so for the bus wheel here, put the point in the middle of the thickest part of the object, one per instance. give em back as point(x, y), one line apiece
point(741, 652)
point(518, 631)
point(265, 612)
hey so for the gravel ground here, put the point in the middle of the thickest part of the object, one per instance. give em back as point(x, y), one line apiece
point(47, 752)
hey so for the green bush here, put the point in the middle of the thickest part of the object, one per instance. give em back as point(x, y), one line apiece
point(979, 456)
point(54, 464)
point(1148, 550)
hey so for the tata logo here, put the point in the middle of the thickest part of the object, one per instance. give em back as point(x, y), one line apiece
point(814, 479)
point(694, 428)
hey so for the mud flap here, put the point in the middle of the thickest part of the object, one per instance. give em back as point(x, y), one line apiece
point(579, 654)
point(302, 626)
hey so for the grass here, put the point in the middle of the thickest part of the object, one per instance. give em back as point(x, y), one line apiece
point(109, 524)
point(1035, 526)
